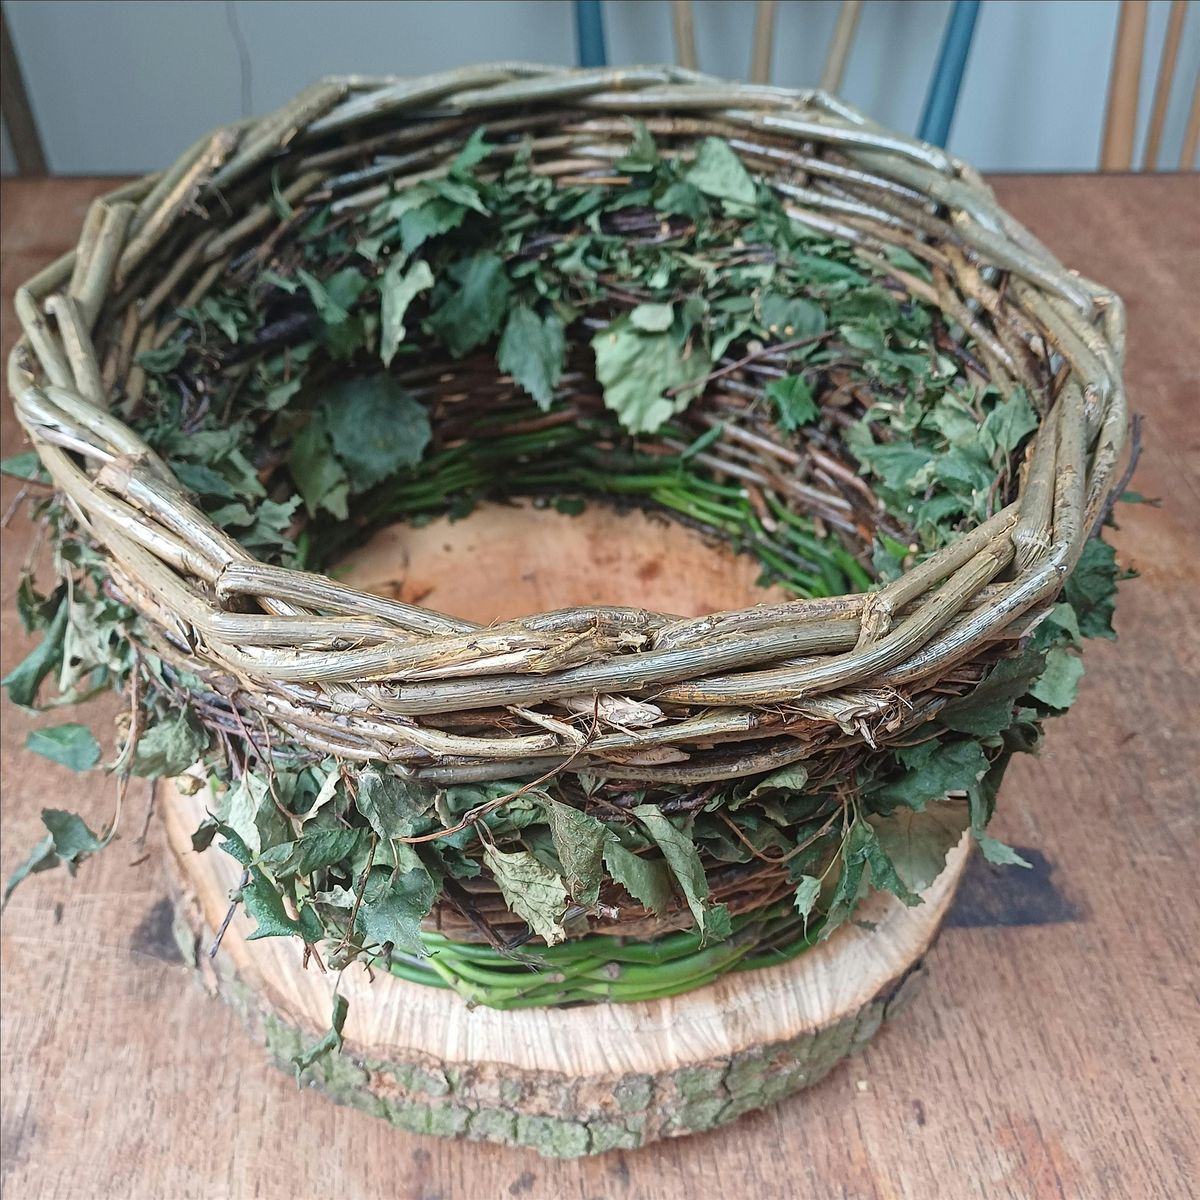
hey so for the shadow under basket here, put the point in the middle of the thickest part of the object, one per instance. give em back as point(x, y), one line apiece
point(580, 1078)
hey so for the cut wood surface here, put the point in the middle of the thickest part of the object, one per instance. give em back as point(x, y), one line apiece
point(1053, 1052)
point(525, 559)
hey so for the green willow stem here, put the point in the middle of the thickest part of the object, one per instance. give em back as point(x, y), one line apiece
point(604, 968)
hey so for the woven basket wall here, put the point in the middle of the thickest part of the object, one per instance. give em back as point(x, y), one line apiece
point(827, 681)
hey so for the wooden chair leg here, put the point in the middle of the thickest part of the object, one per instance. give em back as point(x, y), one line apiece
point(1120, 122)
point(764, 41)
point(839, 48)
point(683, 20)
point(1191, 136)
point(1162, 88)
point(14, 104)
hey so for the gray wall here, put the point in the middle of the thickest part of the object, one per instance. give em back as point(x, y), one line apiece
point(124, 85)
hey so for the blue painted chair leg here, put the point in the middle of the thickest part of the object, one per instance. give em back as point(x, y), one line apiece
point(946, 84)
point(589, 31)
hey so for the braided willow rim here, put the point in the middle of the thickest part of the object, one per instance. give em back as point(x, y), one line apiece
point(387, 679)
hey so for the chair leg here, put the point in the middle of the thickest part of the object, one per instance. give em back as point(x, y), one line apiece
point(1120, 122)
point(839, 48)
point(947, 79)
point(764, 41)
point(683, 21)
point(1191, 136)
point(589, 33)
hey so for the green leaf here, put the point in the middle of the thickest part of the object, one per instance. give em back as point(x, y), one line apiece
point(169, 747)
point(793, 401)
point(393, 906)
point(161, 361)
point(35, 610)
point(579, 842)
point(203, 480)
point(331, 1043)
point(861, 852)
point(70, 745)
point(988, 709)
point(719, 172)
point(807, 892)
point(997, 853)
point(459, 192)
point(1091, 589)
point(311, 852)
point(652, 318)
point(788, 781)
point(264, 905)
point(431, 219)
point(642, 154)
point(25, 679)
point(41, 858)
point(24, 466)
point(376, 428)
point(262, 900)
point(336, 296)
point(645, 879)
point(476, 305)
point(321, 479)
point(393, 807)
point(851, 883)
point(73, 840)
point(929, 771)
point(680, 852)
point(637, 369)
point(1060, 627)
point(917, 843)
point(533, 351)
point(204, 833)
point(1007, 424)
point(899, 464)
point(397, 288)
point(684, 199)
point(474, 151)
point(67, 843)
point(883, 871)
point(1059, 683)
point(534, 892)
point(788, 318)
point(248, 810)
point(703, 442)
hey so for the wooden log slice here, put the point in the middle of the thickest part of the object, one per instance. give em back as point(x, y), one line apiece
point(584, 1079)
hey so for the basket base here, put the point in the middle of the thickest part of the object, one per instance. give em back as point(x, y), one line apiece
point(563, 1081)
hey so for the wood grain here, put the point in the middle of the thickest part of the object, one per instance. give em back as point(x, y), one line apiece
point(1055, 1060)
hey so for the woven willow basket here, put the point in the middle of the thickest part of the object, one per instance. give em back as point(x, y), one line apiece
point(341, 672)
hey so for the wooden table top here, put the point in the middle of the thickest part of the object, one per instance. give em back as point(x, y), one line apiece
point(1055, 1051)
